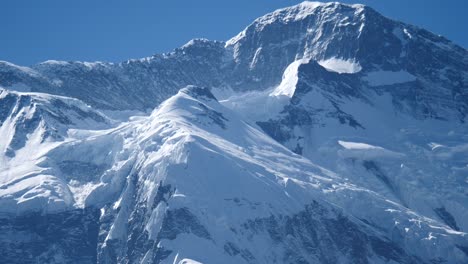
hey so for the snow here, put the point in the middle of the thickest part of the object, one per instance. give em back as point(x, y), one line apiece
point(294, 13)
point(55, 62)
point(305, 9)
point(25, 183)
point(404, 35)
point(365, 151)
point(341, 65)
point(388, 177)
point(356, 145)
point(256, 105)
point(193, 42)
point(380, 78)
point(434, 145)
point(92, 65)
point(298, 12)
point(188, 261)
point(204, 149)
point(255, 58)
point(290, 78)
point(407, 33)
point(225, 170)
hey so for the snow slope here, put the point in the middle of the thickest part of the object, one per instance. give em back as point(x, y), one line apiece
point(329, 108)
point(193, 177)
point(31, 124)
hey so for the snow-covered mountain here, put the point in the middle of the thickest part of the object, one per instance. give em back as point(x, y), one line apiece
point(195, 181)
point(339, 136)
point(31, 124)
point(343, 38)
point(131, 85)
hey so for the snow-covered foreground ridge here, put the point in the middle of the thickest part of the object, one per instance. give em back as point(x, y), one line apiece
point(193, 178)
point(339, 137)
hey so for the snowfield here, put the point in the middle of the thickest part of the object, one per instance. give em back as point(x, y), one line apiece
point(340, 65)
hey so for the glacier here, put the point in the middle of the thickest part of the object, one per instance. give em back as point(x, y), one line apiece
point(322, 133)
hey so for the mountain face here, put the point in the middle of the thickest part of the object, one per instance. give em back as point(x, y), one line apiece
point(344, 38)
point(322, 133)
point(144, 83)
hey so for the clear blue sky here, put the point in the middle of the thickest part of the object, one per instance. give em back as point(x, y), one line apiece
point(114, 30)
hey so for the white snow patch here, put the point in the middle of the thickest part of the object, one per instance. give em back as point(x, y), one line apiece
point(365, 151)
point(379, 78)
point(193, 42)
point(341, 65)
point(356, 145)
point(189, 261)
point(435, 146)
point(255, 58)
point(55, 62)
point(287, 86)
point(407, 33)
point(91, 65)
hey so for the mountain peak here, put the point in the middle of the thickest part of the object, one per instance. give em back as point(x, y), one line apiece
point(296, 13)
point(305, 9)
